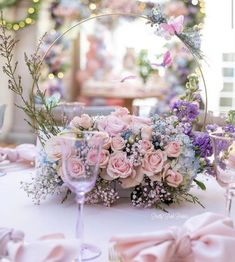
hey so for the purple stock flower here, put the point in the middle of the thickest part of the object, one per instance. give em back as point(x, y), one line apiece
point(187, 128)
point(211, 127)
point(229, 128)
point(185, 111)
point(202, 143)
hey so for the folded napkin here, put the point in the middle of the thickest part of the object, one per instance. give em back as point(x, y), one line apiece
point(24, 152)
point(9, 235)
point(203, 238)
point(51, 248)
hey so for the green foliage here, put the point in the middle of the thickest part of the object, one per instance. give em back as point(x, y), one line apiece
point(7, 3)
point(41, 119)
point(231, 117)
point(144, 67)
point(200, 184)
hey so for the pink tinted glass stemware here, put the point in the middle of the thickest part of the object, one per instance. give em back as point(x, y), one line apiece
point(224, 164)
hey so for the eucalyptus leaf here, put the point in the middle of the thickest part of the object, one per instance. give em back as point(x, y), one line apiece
point(200, 184)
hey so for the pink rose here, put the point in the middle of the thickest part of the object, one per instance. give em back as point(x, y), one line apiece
point(146, 132)
point(173, 178)
point(119, 166)
point(112, 125)
point(118, 143)
point(120, 112)
point(75, 167)
point(123, 114)
point(134, 180)
point(173, 149)
point(145, 146)
point(141, 120)
point(137, 123)
point(92, 158)
point(153, 162)
point(85, 121)
point(105, 138)
point(57, 146)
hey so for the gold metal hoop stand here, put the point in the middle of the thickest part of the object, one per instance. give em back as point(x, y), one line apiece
point(136, 16)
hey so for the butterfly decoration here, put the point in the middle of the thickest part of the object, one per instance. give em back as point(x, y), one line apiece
point(130, 77)
point(167, 60)
point(174, 26)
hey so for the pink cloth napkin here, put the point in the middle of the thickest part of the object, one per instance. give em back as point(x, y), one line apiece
point(51, 248)
point(24, 152)
point(203, 238)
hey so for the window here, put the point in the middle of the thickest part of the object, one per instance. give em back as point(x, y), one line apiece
point(228, 87)
point(228, 72)
point(229, 57)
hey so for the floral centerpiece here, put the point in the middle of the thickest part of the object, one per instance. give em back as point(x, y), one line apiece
point(156, 158)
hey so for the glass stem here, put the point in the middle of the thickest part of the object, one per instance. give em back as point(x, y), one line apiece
point(80, 198)
point(229, 197)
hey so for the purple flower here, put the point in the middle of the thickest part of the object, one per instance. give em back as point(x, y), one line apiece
point(202, 144)
point(211, 127)
point(229, 128)
point(185, 111)
point(187, 128)
point(197, 97)
point(220, 145)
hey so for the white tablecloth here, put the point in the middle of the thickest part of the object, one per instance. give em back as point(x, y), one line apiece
point(18, 211)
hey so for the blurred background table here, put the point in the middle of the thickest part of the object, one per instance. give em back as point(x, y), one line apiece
point(101, 223)
point(126, 91)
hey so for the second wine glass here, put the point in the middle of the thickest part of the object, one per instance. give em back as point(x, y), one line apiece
point(224, 164)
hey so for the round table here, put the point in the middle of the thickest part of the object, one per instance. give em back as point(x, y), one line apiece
point(101, 223)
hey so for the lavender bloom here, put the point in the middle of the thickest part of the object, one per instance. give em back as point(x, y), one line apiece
point(202, 143)
point(187, 128)
point(185, 111)
point(211, 127)
point(221, 145)
point(229, 128)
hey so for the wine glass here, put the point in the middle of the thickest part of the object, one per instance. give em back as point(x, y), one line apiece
point(2, 113)
point(70, 110)
point(64, 112)
point(80, 166)
point(224, 163)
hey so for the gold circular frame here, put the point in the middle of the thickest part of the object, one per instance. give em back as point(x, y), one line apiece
point(148, 20)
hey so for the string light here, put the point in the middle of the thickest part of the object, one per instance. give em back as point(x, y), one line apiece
point(31, 17)
point(194, 2)
point(31, 10)
point(60, 75)
point(28, 21)
point(16, 27)
point(51, 76)
point(92, 6)
point(202, 6)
